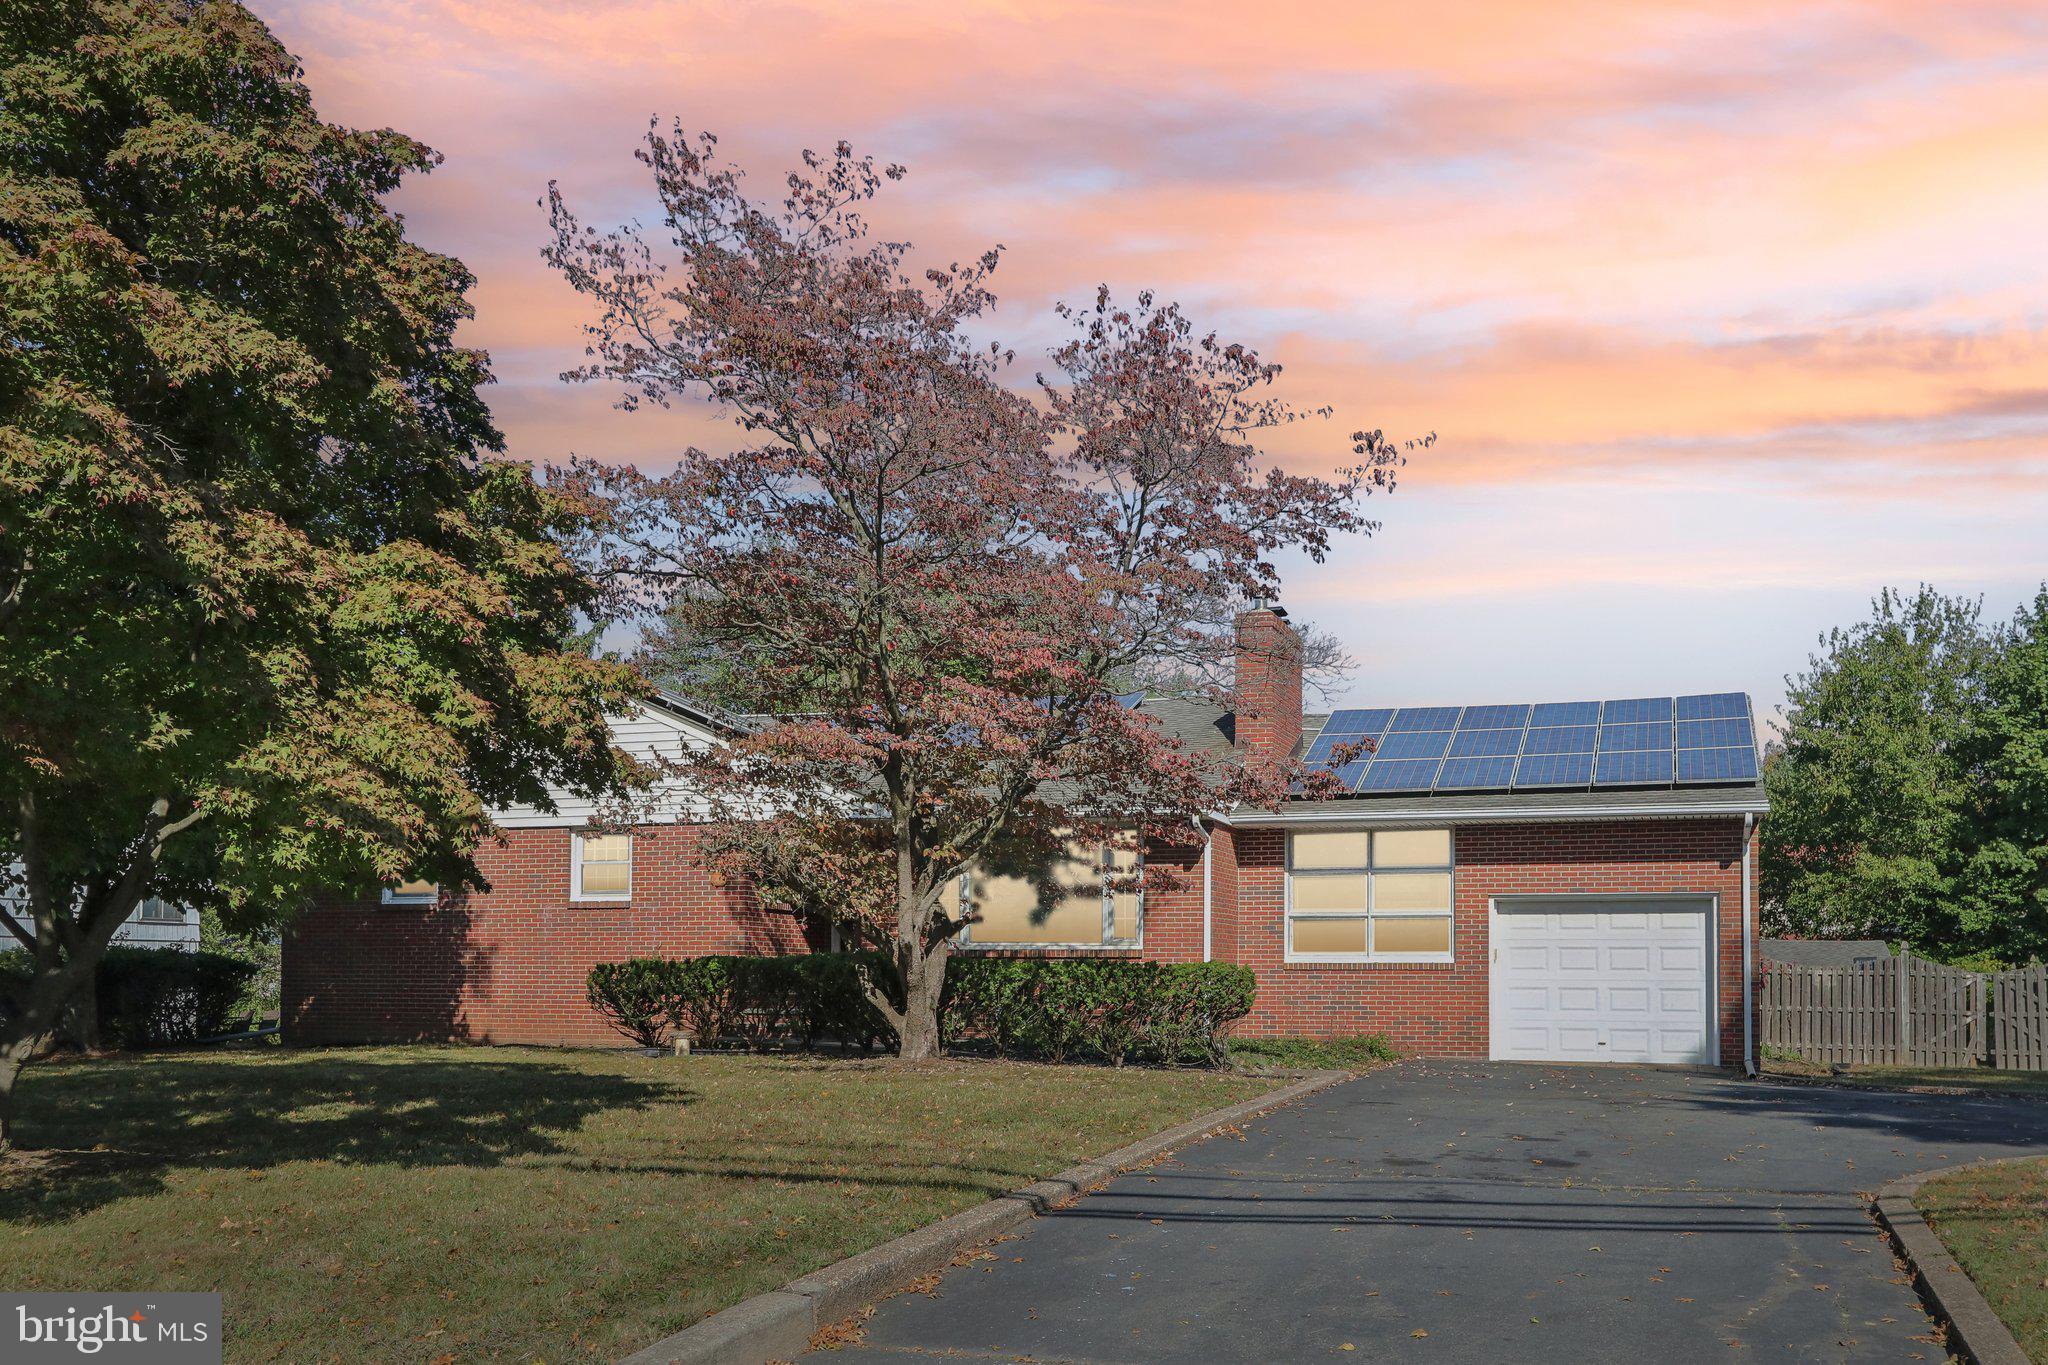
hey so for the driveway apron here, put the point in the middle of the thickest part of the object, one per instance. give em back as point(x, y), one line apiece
point(1483, 1212)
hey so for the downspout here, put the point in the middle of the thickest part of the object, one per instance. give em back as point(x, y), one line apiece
point(1208, 882)
point(1748, 971)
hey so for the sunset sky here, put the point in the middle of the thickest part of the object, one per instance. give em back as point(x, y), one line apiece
point(1727, 314)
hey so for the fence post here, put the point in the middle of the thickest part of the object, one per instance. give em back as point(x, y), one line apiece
point(1903, 1053)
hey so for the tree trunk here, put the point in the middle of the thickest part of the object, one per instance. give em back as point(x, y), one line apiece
point(918, 1034)
point(82, 1015)
point(11, 1059)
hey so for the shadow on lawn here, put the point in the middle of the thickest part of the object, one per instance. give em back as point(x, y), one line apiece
point(95, 1132)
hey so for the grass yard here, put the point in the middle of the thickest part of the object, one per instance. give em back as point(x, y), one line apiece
point(1994, 1221)
point(419, 1203)
point(1359, 1052)
point(1912, 1077)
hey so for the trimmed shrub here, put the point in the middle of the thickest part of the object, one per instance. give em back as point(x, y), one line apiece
point(1173, 1013)
point(757, 1001)
point(152, 996)
point(634, 997)
point(1114, 1010)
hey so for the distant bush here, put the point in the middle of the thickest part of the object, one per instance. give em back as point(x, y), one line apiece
point(1058, 1008)
point(149, 997)
point(152, 996)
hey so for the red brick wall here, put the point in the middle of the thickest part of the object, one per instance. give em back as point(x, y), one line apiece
point(1441, 1008)
point(508, 965)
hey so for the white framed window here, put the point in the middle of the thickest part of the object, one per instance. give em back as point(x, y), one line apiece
point(601, 867)
point(1091, 900)
point(1370, 896)
point(413, 893)
point(156, 910)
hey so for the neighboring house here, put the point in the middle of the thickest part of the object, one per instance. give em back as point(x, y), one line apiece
point(155, 924)
point(1826, 952)
point(1569, 881)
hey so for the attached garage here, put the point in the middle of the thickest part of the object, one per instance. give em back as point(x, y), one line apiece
point(1603, 979)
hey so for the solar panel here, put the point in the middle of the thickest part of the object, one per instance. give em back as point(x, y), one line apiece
point(1495, 717)
point(1427, 718)
point(1717, 765)
point(1635, 709)
point(1565, 713)
point(1323, 752)
point(1633, 768)
point(1473, 774)
point(1554, 770)
point(1350, 773)
point(1400, 775)
point(1480, 743)
point(1648, 735)
point(1560, 739)
point(1368, 722)
point(1714, 706)
point(1414, 744)
point(1714, 734)
point(1624, 742)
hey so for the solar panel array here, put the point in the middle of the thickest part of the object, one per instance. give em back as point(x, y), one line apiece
point(1633, 742)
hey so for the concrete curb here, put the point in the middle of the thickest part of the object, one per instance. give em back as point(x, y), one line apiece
point(1974, 1332)
point(779, 1325)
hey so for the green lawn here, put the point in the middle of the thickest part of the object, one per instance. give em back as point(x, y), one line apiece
point(1912, 1077)
point(1359, 1052)
point(420, 1203)
point(1994, 1221)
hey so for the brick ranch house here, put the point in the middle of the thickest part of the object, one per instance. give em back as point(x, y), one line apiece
point(1564, 881)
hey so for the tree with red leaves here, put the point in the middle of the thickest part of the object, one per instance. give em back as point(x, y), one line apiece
point(929, 584)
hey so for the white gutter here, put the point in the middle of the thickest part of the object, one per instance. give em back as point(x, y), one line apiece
point(1208, 882)
point(1748, 971)
point(1437, 814)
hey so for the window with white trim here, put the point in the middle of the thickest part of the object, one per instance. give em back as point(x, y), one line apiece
point(601, 867)
point(1091, 899)
point(156, 910)
point(413, 893)
point(1369, 896)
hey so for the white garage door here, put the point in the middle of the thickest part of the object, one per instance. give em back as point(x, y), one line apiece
point(1602, 980)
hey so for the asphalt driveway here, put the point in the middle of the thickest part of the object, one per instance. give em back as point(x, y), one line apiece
point(1483, 1212)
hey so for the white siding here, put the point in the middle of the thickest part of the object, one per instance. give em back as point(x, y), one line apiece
point(134, 932)
point(650, 733)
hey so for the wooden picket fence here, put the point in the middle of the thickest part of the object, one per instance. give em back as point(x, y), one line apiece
point(1907, 1011)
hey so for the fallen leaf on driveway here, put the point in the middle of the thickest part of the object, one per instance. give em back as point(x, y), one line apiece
point(1418, 1332)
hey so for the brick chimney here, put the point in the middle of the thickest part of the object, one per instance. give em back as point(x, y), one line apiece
point(1268, 683)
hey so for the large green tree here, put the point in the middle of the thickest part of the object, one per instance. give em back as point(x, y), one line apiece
point(273, 616)
point(1910, 798)
point(2003, 908)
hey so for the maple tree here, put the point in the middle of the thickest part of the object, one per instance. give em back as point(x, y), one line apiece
point(273, 617)
point(929, 585)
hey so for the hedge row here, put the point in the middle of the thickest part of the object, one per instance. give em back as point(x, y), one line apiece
point(1057, 1008)
point(750, 1000)
point(149, 997)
